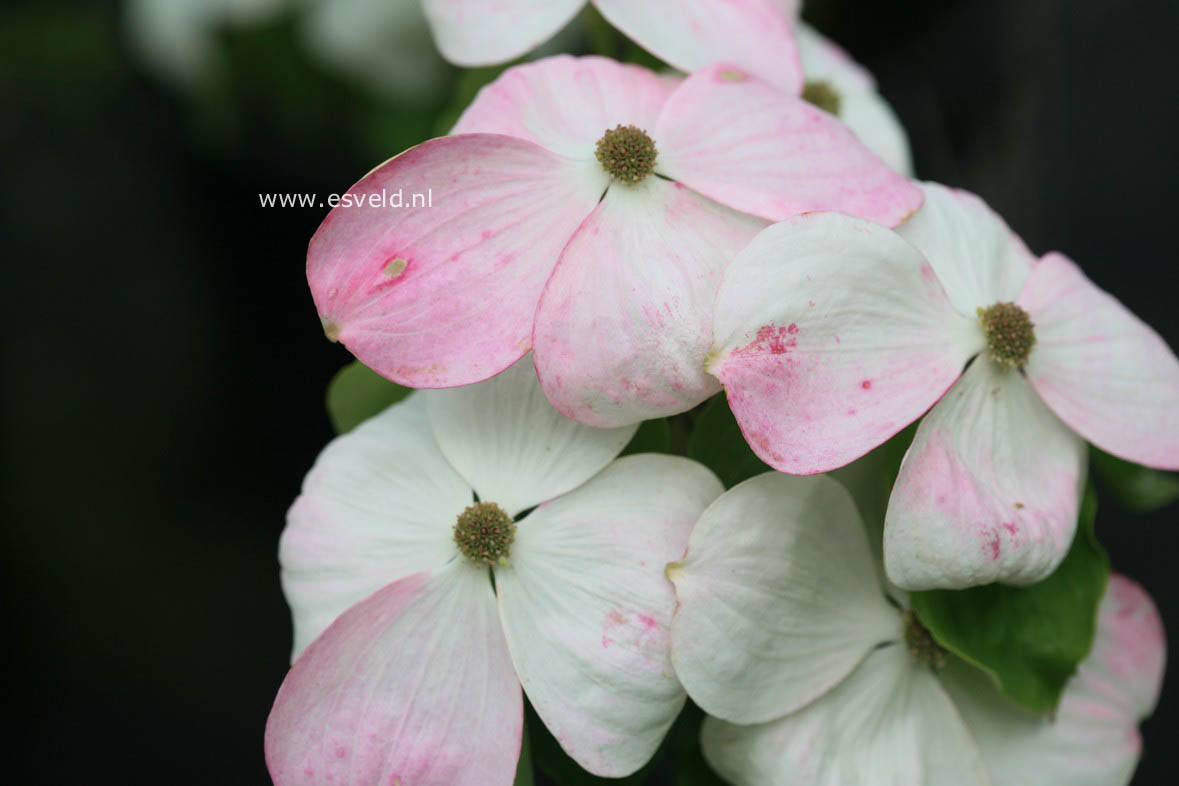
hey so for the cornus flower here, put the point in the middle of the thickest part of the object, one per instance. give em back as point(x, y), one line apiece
point(688, 34)
point(586, 209)
point(832, 334)
point(409, 660)
point(846, 89)
point(784, 635)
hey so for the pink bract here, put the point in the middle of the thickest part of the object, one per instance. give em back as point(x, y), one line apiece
point(450, 713)
point(446, 294)
point(832, 334)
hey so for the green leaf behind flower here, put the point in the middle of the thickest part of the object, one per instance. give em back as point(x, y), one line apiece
point(1139, 489)
point(1028, 639)
point(717, 443)
point(524, 776)
point(683, 746)
point(653, 436)
point(870, 479)
point(356, 393)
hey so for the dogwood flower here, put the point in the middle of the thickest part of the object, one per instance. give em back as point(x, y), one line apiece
point(832, 334)
point(688, 34)
point(409, 660)
point(585, 209)
point(764, 37)
point(847, 90)
point(813, 677)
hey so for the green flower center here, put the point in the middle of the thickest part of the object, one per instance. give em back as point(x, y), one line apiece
point(823, 95)
point(627, 153)
point(484, 533)
point(1009, 332)
point(921, 644)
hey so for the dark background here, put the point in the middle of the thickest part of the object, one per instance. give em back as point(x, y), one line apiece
point(163, 367)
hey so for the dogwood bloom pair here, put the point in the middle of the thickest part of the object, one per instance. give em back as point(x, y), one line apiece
point(409, 660)
point(586, 210)
point(688, 34)
point(815, 677)
point(833, 333)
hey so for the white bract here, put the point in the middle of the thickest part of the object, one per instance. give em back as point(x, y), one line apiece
point(409, 661)
point(814, 678)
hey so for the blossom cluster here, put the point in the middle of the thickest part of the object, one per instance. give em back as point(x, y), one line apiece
point(608, 245)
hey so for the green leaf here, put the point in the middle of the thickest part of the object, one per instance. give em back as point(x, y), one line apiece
point(524, 775)
point(1139, 489)
point(356, 393)
point(870, 479)
point(1028, 639)
point(603, 39)
point(717, 443)
point(653, 436)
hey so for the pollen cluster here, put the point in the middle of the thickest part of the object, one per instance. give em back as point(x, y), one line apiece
point(484, 533)
point(627, 153)
point(823, 95)
point(1009, 332)
point(921, 644)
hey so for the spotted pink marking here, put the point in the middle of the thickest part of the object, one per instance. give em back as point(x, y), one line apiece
point(770, 340)
point(763, 441)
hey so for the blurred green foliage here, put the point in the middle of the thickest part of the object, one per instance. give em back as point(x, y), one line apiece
point(1139, 489)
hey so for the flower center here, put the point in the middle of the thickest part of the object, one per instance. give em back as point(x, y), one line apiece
point(1009, 332)
point(627, 153)
point(484, 533)
point(823, 95)
point(921, 644)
